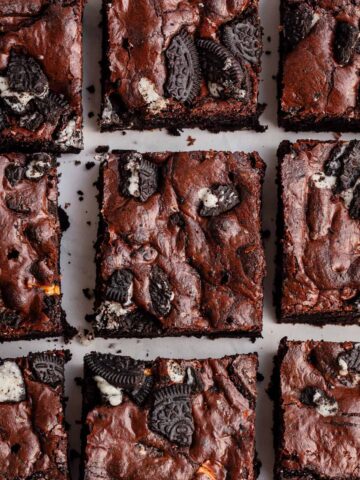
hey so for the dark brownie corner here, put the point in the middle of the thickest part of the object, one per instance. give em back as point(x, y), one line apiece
point(316, 386)
point(319, 65)
point(30, 296)
point(169, 419)
point(33, 440)
point(191, 64)
point(318, 277)
point(179, 249)
point(40, 86)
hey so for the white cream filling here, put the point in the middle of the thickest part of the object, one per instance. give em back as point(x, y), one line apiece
point(208, 198)
point(70, 135)
point(323, 181)
point(155, 102)
point(12, 386)
point(175, 371)
point(110, 393)
point(325, 407)
point(36, 169)
point(23, 98)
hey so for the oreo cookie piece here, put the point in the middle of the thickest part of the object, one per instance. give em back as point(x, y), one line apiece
point(160, 291)
point(17, 203)
point(349, 361)
point(317, 398)
point(32, 121)
point(26, 75)
point(139, 177)
point(119, 286)
point(52, 107)
point(345, 41)
point(3, 120)
point(218, 199)
point(38, 166)
point(226, 77)
point(184, 72)
point(14, 174)
point(354, 208)
point(333, 164)
point(243, 39)
point(48, 368)
point(350, 168)
point(298, 21)
point(171, 415)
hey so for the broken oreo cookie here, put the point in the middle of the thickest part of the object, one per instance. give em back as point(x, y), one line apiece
point(243, 39)
point(183, 83)
point(317, 398)
point(139, 177)
point(218, 199)
point(26, 76)
point(160, 291)
point(14, 174)
point(171, 415)
point(119, 286)
point(226, 77)
point(345, 41)
point(349, 361)
point(298, 21)
point(48, 368)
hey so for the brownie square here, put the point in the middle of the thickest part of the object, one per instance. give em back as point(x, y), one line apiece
point(33, 440)
point(30, 296)
point(319, 232)
point(179, 419)
point(41, 75)
point(179, 249)
point(190, 64)
point(319, 65)
point(317, 410)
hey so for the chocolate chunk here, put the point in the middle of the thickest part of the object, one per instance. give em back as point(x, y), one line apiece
point(14, 174)
point(26, 75)
point(119, 286)
point(17, 203)
point(333, 164)
point(243, 39)
point(219, 199)
point(350, 170)
point(354, 209)
point(48, 368)
point(171, 415)
point(184, 72)
point(317, 398)
point(345, 40)
point(225, 75)
point(350, 359)
point(139, 177)
point(160, 291)
point(298, 21)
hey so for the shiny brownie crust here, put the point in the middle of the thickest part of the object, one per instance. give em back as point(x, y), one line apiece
point(171, 419)
point(319, 64)
point(40, 86)
point(318, 279)
point(166, 265)
point(30, 295)
point(137, 70)
point(33, 441)
point(317, 410)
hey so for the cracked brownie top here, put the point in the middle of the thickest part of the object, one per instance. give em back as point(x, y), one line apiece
point(192, 61)
point(319, 406)
point(320, 62)
point(33, 440)
point(40, 86)
point(180, 248)
point(179, 419)
point(320, 211)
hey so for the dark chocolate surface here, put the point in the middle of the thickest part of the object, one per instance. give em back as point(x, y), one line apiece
point(157, 67)
point(196, 421)
point(319, 231)
point(318, 411)
point(33, 440)
point(30, 297)
point(51, 118)
point(168, 263)
point(320, 60)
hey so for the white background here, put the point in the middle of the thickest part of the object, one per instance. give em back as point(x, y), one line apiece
point(77, 253)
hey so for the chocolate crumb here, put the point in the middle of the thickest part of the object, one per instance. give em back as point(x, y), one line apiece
point(77, 163)
point(102, 149)
point(88, 293)
point(190, 140)
point(90, 89)
point(91, 114)
point(63, 219)
point(89, 165)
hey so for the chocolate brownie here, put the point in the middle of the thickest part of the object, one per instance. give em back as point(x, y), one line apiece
point(30, 297)
point(317, 411)
point(319, 232)
point(192, 63)
point(41, 75)
point(319, 65)
point(169, 419)
point(33, 440)
point(179, 249)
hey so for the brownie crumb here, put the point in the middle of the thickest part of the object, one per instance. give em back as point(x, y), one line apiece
point(260, 377)
point(77, 163)
point(63, 219)
point(190, 140)
point(91, 114)
point(266, 234)
point(88, 293)
point(88, 222)
point(102, 149)
point(78, 381)
point(90, 89)
point(89, 317)
point(89, 165)
point(86, 337)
